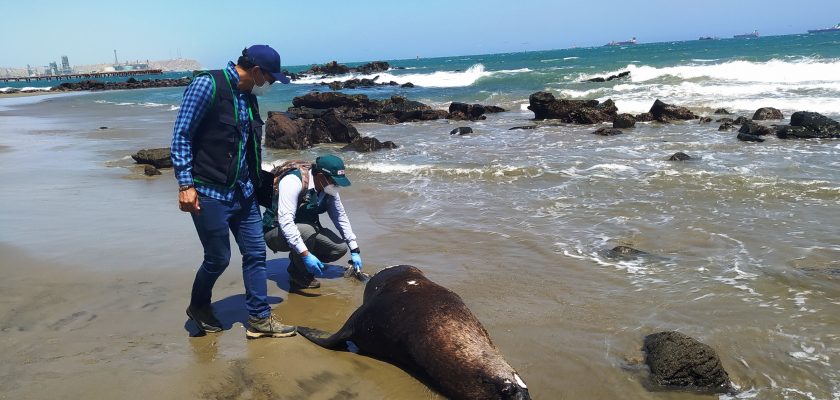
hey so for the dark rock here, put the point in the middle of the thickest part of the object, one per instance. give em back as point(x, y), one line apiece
point(767, 113)
point(726, 126)
point(407, 85)
point(463, 130)
point(150, 170)
point(283, 132)
point(159, 158)
point(493, 109)
point(678, 360)
point(679, 156)
point(754, 128)
point(545, 106)
point(367, 144)
point(611, 77)
point(523, 127)
point(608, 131)
point(624, 121)
point(669, 112)
point(358, 108)
point(103, 127)
point(740, 120)
point(625, 252)
point(809, 125)
point(131, 83)
point(705, 120)
point(746, 137)
point(725, 120)
point(463, 111)
point(644, 117)
point(722, 111)
point(334, 68)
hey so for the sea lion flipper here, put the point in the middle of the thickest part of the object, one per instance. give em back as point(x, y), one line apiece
point(324, 339)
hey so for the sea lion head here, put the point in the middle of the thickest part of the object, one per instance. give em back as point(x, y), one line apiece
point(504, 386)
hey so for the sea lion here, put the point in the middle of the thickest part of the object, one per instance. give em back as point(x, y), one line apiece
point(426, 329)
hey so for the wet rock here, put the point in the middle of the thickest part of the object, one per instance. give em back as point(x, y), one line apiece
point(624, 252)
point(334, 68)
point(722, 111)
point(463, 130)
point(407, 85)
point(767, 113)
point(159, 158)
point(103, 127)
point(726, 126)
point(679, 156)
point(644, 117)
point(150, 170)
point(746, 137)
point(284, 132)
point(677, 360)
point(611, 77)
point(463, 111)
point(809, 125)
point(524, 127)
point(624, 121)
point(365, 144)
point(740, 120)
point(545, 106)
point(608, 131)
point(130, 83)
point(705, 120)
point(725, 120)
point(359, 108)
point(662, 111)
point(755, 129)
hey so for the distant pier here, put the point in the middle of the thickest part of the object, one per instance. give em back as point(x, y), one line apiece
point(83, 76)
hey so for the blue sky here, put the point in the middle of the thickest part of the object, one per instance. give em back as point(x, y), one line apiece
point(37, 32)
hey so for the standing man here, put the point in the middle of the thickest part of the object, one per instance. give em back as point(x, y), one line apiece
point(293, 224)
point(216, 152)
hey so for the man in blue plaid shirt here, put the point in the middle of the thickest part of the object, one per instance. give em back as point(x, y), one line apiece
point(216, 152)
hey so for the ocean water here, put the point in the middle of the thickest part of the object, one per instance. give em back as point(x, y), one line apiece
point(743, 239)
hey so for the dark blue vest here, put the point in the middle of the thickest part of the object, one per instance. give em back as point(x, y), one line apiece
point(216, 143)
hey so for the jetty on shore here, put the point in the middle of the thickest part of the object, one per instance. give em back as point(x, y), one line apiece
point(90, 75)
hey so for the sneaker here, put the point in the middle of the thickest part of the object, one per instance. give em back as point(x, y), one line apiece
point(204, 318)
point(268, 327)
point(302, 280)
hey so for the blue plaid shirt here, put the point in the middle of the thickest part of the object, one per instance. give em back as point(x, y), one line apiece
point(197, 99)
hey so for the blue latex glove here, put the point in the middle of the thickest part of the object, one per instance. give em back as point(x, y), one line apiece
point(313, 264)
point(356, 259)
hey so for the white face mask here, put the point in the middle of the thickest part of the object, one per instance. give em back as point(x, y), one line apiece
point(261, 90)
point(331, 190)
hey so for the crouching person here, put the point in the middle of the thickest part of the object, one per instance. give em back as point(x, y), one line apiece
point(302, 192)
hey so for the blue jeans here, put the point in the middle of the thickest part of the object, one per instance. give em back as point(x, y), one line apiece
point(242, 217)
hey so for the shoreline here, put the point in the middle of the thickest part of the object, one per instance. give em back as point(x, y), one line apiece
point(100, 261)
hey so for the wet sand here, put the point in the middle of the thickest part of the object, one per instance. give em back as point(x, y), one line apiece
point(98, 263)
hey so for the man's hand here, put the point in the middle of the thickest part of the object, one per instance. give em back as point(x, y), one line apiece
point(188, 201)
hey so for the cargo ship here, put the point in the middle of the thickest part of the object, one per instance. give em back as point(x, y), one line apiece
point(624, 43)
point(835, 28)
point(754, 34)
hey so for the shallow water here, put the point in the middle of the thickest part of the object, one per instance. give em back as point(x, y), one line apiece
point(742, 240)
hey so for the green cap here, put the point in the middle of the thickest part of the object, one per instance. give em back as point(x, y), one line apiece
point(333, 167)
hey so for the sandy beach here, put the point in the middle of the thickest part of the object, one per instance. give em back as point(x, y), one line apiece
point(98, 263)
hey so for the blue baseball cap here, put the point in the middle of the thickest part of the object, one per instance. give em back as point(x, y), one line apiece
point(333, 167)
point(267, 59)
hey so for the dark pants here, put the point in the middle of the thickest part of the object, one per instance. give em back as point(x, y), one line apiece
point(242, 217)
point(321, 242)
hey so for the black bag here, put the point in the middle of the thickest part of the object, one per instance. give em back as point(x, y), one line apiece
point(266, 188)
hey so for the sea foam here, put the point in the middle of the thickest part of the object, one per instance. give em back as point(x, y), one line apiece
point(438, 79)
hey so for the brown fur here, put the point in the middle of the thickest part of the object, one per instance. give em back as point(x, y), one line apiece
point(423, 327)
